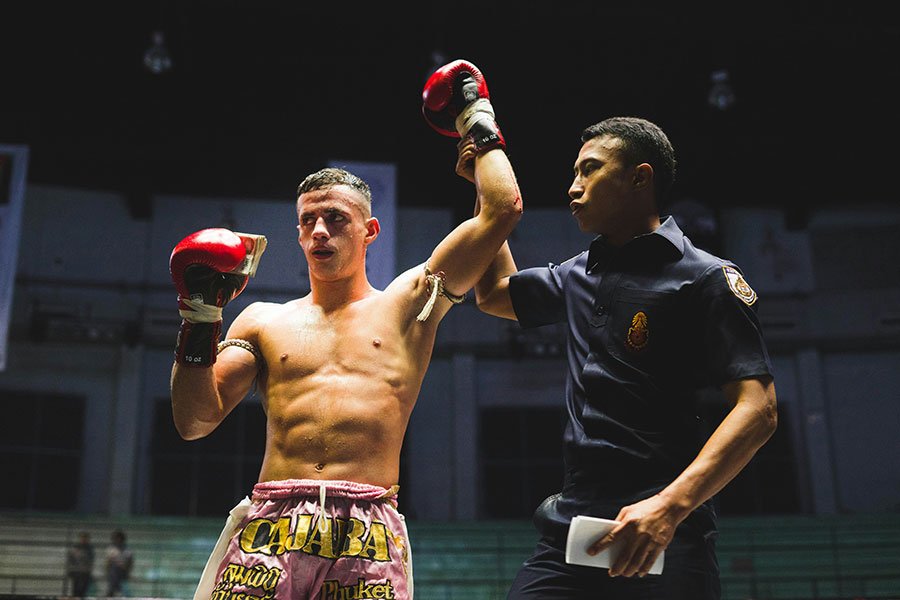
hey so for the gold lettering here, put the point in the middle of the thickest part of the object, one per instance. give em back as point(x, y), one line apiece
point(279, 537)
point(249, 535)
point(354, 540)
point(257, 576)
point(338, 533)
point(246, 574)
point(320, 537)
point(301, 532)
point(262, 536)
point(227, 573)
point(329, 589)
point(330, 539)
point(272, 581)
point(333, 590)
point(375, 546)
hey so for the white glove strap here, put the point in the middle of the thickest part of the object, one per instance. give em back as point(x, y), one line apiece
point(474, 112)
point(200, 313)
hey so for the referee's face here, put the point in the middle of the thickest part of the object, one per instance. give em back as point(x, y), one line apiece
point(601, 189)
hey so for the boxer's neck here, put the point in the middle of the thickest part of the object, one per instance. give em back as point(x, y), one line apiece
point(331, 295)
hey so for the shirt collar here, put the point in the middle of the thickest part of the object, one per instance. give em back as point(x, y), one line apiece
point(668, 233)
point(599, 252)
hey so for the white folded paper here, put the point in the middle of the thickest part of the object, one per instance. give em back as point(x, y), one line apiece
point(584, 531)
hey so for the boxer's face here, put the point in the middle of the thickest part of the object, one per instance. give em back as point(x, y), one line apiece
point(601, 189)
point(334, 231)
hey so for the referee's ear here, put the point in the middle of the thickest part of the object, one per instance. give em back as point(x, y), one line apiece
point(643, 176)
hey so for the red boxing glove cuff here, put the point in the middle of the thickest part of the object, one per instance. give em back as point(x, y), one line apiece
point(196, 343)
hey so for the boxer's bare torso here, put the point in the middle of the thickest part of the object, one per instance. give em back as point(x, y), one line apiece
point(339, 383)
point(342, 366)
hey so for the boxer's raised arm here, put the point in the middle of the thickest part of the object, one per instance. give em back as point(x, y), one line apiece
point(209, 269)
point(457, 104)
point(492, 290)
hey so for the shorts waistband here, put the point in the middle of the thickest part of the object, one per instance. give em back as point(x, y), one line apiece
point(289, 488)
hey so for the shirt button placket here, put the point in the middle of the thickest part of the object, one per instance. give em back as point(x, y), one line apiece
point(598, 319)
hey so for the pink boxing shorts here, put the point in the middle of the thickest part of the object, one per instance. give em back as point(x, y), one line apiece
point(304, 539)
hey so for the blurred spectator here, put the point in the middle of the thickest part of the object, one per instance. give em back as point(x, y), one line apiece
point(119, 560)
point(80, 565)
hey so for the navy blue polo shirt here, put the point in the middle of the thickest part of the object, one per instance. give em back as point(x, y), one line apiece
point(650, 325)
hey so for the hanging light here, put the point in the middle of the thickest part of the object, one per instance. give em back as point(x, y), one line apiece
point(721, 95)
point(157, 58)
point(438, 60)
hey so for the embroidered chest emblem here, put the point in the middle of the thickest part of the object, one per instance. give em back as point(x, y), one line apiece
point(739, 287)
point(639, 332)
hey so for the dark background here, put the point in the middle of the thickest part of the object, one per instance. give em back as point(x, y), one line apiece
point(262, 93)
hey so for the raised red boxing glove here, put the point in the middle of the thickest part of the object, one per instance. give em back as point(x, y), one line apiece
point(456, 103)
point(202, 266)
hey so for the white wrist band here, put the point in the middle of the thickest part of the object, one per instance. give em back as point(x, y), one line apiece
point(476, 111)
point(200, 313)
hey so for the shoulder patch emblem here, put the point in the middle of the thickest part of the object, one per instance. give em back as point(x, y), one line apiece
point(739, 285)
point(639, 332)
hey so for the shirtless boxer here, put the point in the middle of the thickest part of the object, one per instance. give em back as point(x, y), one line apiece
point(338, 370)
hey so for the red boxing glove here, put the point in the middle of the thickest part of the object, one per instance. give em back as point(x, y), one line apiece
point(202, 266)
point(456, 103)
